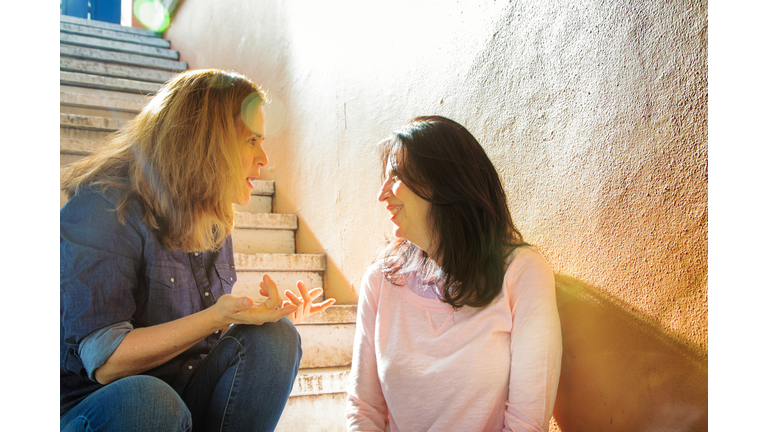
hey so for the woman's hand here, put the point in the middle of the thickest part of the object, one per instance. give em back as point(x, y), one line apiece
point(303, 305)
point(241, 310)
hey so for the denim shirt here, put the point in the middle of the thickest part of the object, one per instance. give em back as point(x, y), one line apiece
point(115, 277)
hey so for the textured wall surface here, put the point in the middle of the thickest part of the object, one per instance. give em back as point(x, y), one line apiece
point(594, 113)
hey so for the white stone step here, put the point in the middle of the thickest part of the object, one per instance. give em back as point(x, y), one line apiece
point(82, 134)
point(129, 85)
point(114, 57)
point(321, 381)
point(264, 233)
point(102, 102)
point(107, 26)
point(326, 345)
point(266, 221)
point(111, 45)
point(79, 146)
point(263, 241)
point(120, 36)
point(90, 122)
point(314, 413)
point(279, 262)
point(317, 402)
point(114, 70)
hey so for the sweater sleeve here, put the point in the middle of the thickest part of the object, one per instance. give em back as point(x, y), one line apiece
point(366, 408)
point(535, 343)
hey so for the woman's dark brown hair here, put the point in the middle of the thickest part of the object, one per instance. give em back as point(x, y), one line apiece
point(472, 230)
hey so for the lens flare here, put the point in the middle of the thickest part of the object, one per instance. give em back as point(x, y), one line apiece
point(249, 109)
point(275, 112)
point(152, 14)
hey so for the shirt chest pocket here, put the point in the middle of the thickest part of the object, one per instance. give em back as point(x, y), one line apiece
point(171, 293)
point(227, 275)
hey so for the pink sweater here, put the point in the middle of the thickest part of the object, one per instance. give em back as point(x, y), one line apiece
point(419, 366)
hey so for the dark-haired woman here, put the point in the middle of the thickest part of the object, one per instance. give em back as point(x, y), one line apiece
point(457, 325)
point(151, 337)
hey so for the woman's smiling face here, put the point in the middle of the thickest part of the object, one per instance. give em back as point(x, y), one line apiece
point(409, 213)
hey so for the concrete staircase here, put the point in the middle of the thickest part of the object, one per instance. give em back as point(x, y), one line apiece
point(108, 72)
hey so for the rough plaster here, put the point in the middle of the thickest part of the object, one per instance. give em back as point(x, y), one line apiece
point(594, 113)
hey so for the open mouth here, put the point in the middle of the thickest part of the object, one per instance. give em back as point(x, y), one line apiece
point(393, 210)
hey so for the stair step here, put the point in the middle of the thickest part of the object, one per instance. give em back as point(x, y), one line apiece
point(137, 60)
point(336, 314)
point(114, 70)
point(105, 82)
point(321, 381)
point(266, 220)
point(279, 262)
point(326, 345)
point(264, 233)
point(249, 241)
point(107, 26)
point(111, 45)
point(101, 102)
point(84, 134)
point(258, 204)
point(119, 36)
point(314, 413)
point(79, 146)
point(90, 122)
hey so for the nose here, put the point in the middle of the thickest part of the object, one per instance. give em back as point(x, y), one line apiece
point(261, 158)
point(385, 190)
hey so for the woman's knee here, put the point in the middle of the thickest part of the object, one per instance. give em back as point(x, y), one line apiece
point(151, 402)
point(280, 339)
point(137, 403)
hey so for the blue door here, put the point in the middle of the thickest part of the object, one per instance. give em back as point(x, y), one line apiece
point(100, 10)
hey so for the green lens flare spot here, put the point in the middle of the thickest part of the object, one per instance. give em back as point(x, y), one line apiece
point(249, 108)
point(152, 14)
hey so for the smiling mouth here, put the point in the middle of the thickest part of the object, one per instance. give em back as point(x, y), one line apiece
point(393, 210)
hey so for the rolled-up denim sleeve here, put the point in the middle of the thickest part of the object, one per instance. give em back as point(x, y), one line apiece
point(100, 261)
point(98, 346)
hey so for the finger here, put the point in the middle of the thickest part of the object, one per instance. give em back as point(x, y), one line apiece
point(271, 287)
point(263, 292)
point(292, 297)
point(322, 306)
point(304, 294)
point(315, 293)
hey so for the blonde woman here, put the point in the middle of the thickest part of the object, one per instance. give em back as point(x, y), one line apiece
point(147, 269)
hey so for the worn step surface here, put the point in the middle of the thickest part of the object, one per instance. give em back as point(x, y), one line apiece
point(137, 60)
point(75, 121)
point(128, 85)
point(107, 26)
point(119, 36)
point(118, 46)
point(94, 67)
point(264, 233)
point(317, 402)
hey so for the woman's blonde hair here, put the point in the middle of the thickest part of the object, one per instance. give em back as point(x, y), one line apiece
point(180, 158)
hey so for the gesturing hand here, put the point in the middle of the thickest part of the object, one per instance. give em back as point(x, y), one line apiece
point(241, 310)
point(303, 305)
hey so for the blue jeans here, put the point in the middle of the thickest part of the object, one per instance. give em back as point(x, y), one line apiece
point(243, 385)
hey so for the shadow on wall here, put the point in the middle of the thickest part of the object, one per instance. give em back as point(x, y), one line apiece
point(623, 373)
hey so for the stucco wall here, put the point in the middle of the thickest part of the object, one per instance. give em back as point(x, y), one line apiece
point(594, 113)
